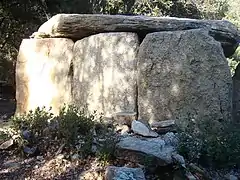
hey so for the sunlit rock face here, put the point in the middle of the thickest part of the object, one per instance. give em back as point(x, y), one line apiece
point(183, 74)
point(105, 72)
point(43, 73)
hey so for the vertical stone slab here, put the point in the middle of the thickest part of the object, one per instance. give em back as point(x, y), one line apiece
point(43, 76)
point(236, 94)
point(104, 72)
point(183, 74)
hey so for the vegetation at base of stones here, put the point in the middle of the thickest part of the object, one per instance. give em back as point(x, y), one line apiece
point(210, 143)
point(234, 61)
point(19, 19)
point(107, 149)
point(74, 123)
point(73, 131)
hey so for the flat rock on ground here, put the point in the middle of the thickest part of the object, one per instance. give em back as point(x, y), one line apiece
point(124, 173)
point(154, 150)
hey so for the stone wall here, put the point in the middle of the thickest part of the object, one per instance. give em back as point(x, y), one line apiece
point(42, 73)
point(160, 68)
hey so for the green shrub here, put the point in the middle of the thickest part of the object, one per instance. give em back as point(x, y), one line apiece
point(210, 143)
point(106, 141)
point(74, 123)
point(40, 128)
point(34, 121)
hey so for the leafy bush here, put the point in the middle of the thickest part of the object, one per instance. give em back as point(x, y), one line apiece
point(106, 144)
point(210, 143)
point(29, 128)
point(40, 128)
point(34, 121)
point(74, 123)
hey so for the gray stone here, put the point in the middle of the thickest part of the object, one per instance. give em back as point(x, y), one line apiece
point(171, 139)
point(236, 94)
point(11, 164)
point(163, 124)
point(189, 176)
point(183, 74)
point(7, 144)
point(232, 177)
point(27, 135)
point(104, 72)
point(163, 127)
point(179, 159)
point(124, 173)
point(43, 74)
point(141, 129)
point(30, 150)
point(78, 26)
point(154, 150)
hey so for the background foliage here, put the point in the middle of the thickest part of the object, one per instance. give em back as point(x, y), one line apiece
point(20, 18)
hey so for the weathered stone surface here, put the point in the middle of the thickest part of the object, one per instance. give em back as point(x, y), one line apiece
point(125, 117)
point(182, 74)
point(43, 73)
point(77, 26)
point(123, 129)
point(236, 94)
point(154, 150)
point(141, 129)
point(7, 144)
point(163, 124)
point(124, 173)
point(162, 127)
point(104, 72)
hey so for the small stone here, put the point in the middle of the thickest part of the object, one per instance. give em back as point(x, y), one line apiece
point(231, 177)
point(26, 135)
point(171, 139)
point(7, 144)
point(189, 176)
point(141, 129)
point(163, 124)
point(28, 165)
point(75, 156)
point(124, 173)
point(94, 148)
point(179, 159)
point(89, 175)
point(60, 156)
point(40, 158)
point(29, 150)
point(11, 164)
point(125, 118)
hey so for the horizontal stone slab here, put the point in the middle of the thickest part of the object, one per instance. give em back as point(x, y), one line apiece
point(78, 26)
